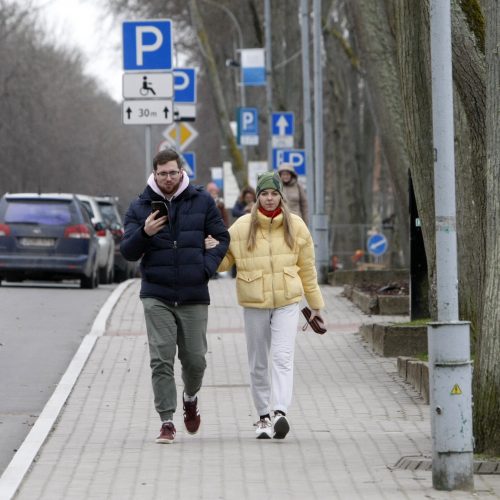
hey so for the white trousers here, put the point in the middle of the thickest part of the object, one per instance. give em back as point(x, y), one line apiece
point(270, 335)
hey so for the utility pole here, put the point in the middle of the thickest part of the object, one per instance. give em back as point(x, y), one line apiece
point(320, 220)
point(306, 98)
point(269, 82)
point(448, 338)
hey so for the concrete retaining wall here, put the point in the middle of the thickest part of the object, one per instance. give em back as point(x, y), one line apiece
point(415, 373)
point(391, 339)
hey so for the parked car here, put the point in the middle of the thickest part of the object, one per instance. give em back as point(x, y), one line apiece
point(106, 256)
point(47, 237)
point(111, 213)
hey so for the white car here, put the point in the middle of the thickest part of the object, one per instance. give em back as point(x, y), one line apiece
point(106, 254)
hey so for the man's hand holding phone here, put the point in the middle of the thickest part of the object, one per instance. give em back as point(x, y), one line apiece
point(157, 219)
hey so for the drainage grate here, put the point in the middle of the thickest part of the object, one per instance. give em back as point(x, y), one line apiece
point(425, 464)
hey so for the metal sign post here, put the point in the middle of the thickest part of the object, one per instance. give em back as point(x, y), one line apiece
point(148, 83)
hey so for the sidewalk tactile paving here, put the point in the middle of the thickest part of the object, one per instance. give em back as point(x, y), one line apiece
point(352, 419)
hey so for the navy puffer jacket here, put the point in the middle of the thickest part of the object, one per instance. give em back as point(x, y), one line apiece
point(175, 266)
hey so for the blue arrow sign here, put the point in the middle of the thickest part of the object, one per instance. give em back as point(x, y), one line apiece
point(294, 157)
point(189, 164)
point(283, 124)
point(147, 45)
point(185, 85)
point(377, 244)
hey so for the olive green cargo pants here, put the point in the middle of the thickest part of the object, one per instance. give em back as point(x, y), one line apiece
point(171, 327)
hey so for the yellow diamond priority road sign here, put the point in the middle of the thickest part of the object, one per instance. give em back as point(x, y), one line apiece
point(180, 135)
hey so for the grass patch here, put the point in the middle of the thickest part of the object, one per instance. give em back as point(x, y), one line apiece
point(415, 322)
point(423, 356)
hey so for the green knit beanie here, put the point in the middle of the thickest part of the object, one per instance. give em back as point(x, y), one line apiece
point(269, 180)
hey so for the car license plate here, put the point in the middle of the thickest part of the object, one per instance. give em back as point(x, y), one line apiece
point(37, 242)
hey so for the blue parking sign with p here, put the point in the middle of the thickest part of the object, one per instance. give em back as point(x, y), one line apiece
point(294, 157)
point(147, 45)
point(248, 122)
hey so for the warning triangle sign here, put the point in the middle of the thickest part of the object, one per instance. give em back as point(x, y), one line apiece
point(456, 391)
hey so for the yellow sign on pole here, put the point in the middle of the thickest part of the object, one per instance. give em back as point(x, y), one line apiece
point(456, 391)
point(180, 135)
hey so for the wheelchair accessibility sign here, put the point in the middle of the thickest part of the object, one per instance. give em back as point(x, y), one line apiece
point(148, 85)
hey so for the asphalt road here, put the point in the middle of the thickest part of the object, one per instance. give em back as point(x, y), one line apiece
point(41, 328)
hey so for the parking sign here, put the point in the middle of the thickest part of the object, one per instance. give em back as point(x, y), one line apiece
point(185, 85)
point(248, 126)
point(147, 45)
point(294, 157)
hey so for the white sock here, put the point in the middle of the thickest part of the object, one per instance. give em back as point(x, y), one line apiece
point(189, 399)
point(167, 421)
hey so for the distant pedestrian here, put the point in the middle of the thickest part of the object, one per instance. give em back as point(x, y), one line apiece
point(245, 202)
point(214, 191)
point(295, 194)
point(175, 269)
point(274, 255)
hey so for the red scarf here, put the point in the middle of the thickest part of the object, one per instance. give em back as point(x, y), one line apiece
point(270, 214)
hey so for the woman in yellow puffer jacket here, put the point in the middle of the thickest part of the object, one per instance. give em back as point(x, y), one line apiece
point(274, 256)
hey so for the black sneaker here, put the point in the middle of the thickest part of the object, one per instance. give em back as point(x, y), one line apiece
point(280, 426)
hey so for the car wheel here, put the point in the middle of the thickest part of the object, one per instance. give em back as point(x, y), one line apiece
point(90, 282)
point(111, 275)
point(103, 275)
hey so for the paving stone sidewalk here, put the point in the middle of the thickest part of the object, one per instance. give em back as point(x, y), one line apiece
point(352, 419)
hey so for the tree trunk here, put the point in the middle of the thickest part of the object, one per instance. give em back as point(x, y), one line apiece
point(239, 168)
point(487, 366)
point(378, 56)
point(346, 122)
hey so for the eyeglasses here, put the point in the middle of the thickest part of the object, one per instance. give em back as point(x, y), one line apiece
point(172, 175)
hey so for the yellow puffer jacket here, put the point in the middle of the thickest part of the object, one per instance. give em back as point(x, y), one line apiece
point(273, 275)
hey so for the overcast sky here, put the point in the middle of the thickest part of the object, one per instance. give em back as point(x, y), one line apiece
point(83, 24)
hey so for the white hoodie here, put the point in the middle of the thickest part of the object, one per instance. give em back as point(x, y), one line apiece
point(182, 186)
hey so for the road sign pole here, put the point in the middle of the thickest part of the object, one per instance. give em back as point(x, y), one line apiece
point(449, 340)
point(147, 142)
point(306, 93)
point(320, 219)
point(269, 81)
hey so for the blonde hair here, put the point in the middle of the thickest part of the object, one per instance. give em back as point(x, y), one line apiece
point(255, 224)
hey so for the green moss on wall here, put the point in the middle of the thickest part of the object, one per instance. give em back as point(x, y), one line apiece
point(475, 20)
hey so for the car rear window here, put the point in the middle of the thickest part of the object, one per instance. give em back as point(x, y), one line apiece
point(108, 212)
point(38, 212)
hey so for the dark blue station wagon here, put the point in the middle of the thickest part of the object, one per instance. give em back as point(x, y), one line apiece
point(47, 237)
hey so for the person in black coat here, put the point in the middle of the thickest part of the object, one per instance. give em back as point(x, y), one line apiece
point(175, 269)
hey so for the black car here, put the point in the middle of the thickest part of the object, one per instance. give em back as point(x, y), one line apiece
point(47, 237)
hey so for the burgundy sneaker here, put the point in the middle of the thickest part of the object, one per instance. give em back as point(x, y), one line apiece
point(191, 416)
point(167, 433)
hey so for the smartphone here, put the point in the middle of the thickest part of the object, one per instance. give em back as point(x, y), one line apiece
point(161, 206)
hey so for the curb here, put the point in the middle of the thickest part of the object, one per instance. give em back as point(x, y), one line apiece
point(18, 467)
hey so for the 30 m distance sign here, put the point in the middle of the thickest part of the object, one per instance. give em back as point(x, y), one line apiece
point(148, 112)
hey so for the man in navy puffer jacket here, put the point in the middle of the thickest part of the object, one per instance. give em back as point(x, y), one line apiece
point(175, 269)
